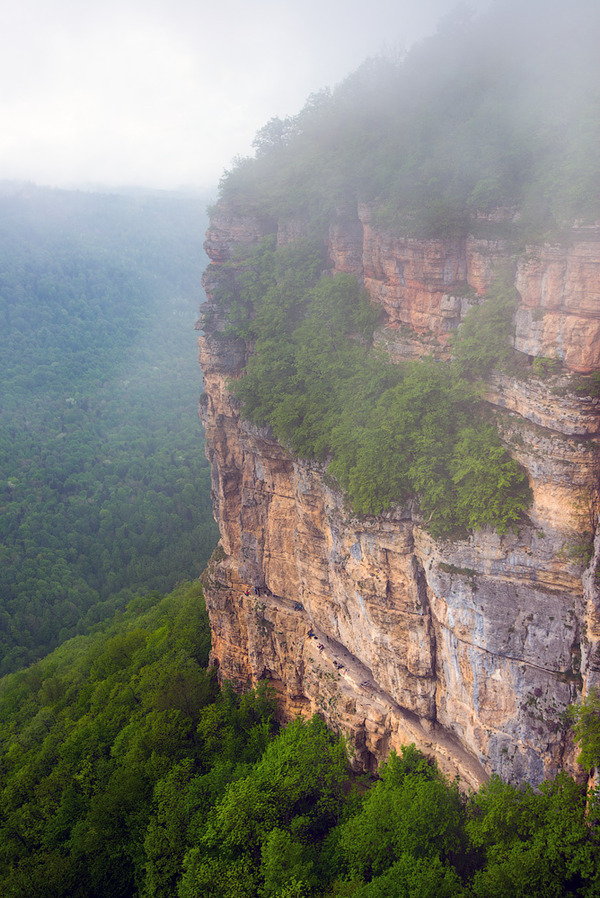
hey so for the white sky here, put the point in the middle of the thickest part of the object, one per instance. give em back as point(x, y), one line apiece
point(164, 93)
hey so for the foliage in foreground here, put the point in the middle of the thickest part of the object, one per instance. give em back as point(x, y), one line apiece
point(125, 771)
point(89, 733)
point(389, 432)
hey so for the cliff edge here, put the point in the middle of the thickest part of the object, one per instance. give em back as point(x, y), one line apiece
point(472, 648)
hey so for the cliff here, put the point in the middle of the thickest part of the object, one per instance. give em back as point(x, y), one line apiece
point(471, 648)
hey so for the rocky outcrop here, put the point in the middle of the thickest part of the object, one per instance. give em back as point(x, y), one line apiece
point(474, 648)
point(560, 290)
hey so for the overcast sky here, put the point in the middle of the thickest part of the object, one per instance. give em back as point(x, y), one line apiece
point(164, 93)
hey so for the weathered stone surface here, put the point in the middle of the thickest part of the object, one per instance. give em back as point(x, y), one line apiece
point(548, 403)
point(229, 229)
point(560, 313)
point(472, 649)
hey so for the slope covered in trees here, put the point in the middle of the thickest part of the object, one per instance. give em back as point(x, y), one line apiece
point(125, 771)
point(104, 490)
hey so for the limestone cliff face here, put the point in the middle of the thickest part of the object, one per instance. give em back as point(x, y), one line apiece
point(471, 649)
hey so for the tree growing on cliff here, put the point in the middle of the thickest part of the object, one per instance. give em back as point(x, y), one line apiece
point(483, 341)
point(586, 728)
point(388, 433)
point(499, 114)
point(490, 487)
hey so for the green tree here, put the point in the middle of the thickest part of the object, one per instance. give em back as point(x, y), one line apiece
point(389, 434)
point(537, 844)
point(284, 864)
point(490, 486)
point(483, 340)
point(412, 811)
point(586, 728)
point(412, 877)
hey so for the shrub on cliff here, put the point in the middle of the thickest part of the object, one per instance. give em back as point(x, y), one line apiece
point(586, 728)
point(390, 433)
point(483, 341)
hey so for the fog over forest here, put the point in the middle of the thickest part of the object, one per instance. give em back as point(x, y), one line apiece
point(165, 94)
point(104, 488)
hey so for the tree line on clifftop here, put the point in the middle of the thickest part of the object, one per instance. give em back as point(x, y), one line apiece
point(125, 771)
point(495, 112)
point(488, 127)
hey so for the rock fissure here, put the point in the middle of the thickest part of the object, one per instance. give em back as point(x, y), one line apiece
point(520, 660)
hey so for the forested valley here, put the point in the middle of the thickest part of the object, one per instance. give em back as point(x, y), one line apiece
point(104, 488)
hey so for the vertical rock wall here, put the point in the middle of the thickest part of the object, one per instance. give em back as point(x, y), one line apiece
point(471, 649)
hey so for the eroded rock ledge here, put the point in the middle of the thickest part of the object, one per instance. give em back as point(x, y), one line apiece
point(471, 649)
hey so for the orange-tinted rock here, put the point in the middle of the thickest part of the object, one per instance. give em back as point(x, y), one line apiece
point(560, 312)
point(229, 229)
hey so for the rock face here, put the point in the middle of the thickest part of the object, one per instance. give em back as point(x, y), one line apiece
point(560, 287)
point(470, 649)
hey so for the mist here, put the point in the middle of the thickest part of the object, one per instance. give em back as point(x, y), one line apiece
point(166, 94)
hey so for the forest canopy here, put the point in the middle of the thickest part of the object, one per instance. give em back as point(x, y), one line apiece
point(126, 771)
point(104, 490)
